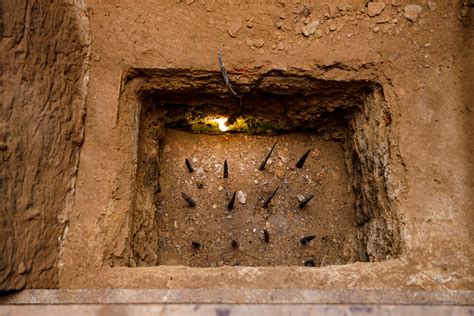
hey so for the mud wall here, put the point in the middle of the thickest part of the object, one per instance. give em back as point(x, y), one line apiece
point(45, 46)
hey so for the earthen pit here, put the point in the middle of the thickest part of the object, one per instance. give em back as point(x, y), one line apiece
point(351, 216)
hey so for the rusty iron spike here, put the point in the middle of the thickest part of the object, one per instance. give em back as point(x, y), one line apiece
point(267, 201)
point(226, 169)
point(300, 162)
point(230, 205)
point(264, 162)
point(306, 201)
point(188, 199)
point(188, 165)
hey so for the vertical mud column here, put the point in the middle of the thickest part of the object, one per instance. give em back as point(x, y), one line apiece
point(369, 153)
point(43, 105)
point(144, 240)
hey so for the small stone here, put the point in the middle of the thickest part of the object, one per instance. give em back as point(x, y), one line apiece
point(220, 188)
point(333, 9)
point(195, 159)
point(200, 171)
point(279, 173)
point(175, 224)
point(284, 155)
point(259, 43)
point(234, 26)
point(21, 267)
point(332, 26)
point(255, 181)
point(344, 6)
point(412, 11)
point(278, 24)
point(214, 206)
point(249, 23)
point(319, 33)
point(188, 2)
point(376, 29)
point(242, 197)
point(305, 11)
point(310, 28)
point(167, 149)
point(281, 46)
point(375, 8)
point(300, 197)
point(254, 230)
point(249, 42)
point(432, 5)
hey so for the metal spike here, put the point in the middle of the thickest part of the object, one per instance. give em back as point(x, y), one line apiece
point(226, 169)
point(267, 201)
point(230, 205)
point(188, 199)
point(305, 240)
point(188, 165)
point(266, 236)
point(306, 201)
point(300, 162)
point(264, 162)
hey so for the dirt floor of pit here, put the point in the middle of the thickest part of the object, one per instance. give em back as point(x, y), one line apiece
point(329, 215)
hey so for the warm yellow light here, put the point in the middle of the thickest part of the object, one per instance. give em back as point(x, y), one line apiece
point(221, 121)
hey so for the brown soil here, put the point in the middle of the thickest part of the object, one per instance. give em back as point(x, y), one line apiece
point(81, 213)
point(329, 215)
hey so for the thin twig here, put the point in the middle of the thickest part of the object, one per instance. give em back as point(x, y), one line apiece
point(322, 261)
point(224, 74)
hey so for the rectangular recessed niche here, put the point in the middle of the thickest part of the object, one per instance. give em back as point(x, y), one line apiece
point(345, 124)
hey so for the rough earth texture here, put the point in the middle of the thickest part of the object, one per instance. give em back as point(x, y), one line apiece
point(329, 216)
point(43, 106)
point(422, 60)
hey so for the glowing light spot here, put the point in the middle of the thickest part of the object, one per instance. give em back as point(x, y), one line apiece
point(221, 121)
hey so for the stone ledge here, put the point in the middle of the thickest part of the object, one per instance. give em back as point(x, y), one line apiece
point(235, 310)
point(238, 296)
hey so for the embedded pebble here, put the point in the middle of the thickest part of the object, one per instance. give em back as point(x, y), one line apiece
point(375, 8)
point(432, 5)
point(234, 27)
point(167, 149)
point(195, 159)
point(242, 197)
point(220, 188)
point(310, 28)
point(259, 43)
point(300, 197)
point(284, 155)
point(412, 11)
point(214, 206)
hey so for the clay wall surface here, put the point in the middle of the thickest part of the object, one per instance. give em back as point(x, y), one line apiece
point(421, 56)
point(42, 123)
